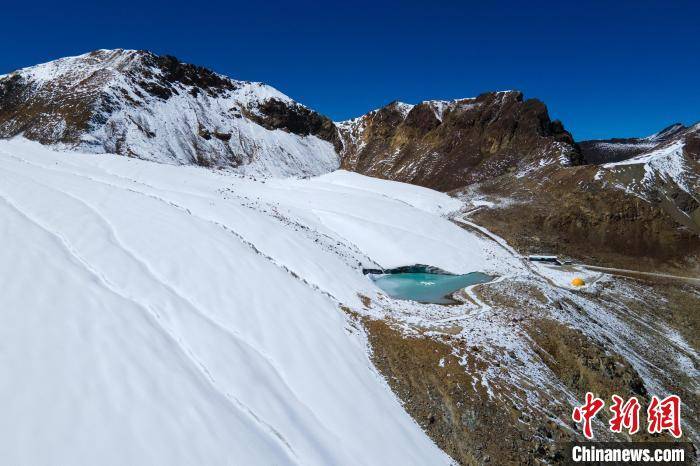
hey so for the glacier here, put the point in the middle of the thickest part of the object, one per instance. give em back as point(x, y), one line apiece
point(161, 314)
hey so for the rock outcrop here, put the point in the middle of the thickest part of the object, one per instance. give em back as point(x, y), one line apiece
point(449, 144)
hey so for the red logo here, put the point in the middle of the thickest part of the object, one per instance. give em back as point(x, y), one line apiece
point(587, 412)
point(625, 415)
point(662, 415)
point(665, 415)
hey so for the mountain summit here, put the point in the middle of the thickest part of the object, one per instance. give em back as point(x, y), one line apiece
point(157, 108)
point(446, 145)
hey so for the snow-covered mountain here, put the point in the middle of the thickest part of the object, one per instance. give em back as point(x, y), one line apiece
point(156, 108)
point(669, 160)
point(600, 151)
point(663, 168)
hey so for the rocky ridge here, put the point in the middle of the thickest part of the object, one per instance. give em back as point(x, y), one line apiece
point(446, 145)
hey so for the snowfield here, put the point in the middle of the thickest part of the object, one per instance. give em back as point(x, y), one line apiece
point(156, 314)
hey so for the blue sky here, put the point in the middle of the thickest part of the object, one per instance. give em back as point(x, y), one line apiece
point(605, 69)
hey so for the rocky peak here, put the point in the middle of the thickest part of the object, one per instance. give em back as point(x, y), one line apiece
point(449, 144)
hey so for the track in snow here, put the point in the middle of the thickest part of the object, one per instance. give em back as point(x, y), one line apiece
point(148, 320)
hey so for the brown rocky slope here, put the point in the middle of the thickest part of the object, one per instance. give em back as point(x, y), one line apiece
point(626, 202)
point(446, 145)
point(640, 213)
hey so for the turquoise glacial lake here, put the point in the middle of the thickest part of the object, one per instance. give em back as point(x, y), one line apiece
point(427, 287)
